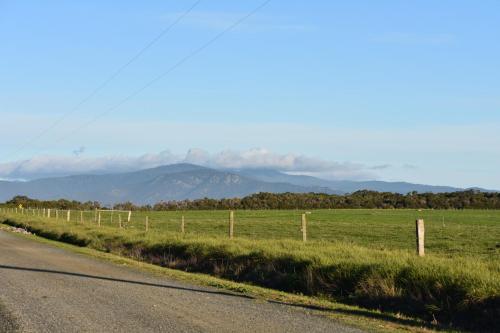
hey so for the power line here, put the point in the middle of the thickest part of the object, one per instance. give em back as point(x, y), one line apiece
point(192, 54)
point(106, 81)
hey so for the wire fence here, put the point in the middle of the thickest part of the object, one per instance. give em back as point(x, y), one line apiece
point(449, 232)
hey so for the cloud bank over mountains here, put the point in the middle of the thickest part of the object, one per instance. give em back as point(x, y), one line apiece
point(257, 158)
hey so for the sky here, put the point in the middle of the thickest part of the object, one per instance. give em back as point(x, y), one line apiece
point(387, 90)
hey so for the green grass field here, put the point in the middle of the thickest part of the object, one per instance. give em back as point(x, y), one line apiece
point(365, 257)
point(448, 232)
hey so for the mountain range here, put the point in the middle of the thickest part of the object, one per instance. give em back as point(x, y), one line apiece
point(188, 181)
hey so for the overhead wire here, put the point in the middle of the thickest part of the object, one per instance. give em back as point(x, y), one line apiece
point(180, 62)
point(104, 83)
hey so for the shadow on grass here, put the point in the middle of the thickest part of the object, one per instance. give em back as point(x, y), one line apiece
point(388, 317)
point(354, 312)
point(164, 255)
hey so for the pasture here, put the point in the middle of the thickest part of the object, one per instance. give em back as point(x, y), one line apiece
point(361, 256)
point(448, 233)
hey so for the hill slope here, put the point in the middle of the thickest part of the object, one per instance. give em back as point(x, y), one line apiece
point(173, 182)
point(344, 186)
point(188, 181)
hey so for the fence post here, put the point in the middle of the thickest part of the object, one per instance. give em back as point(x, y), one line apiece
point(99, 219)
point(57, 214)
point(129, 216)
point(304, 228)
point(231, 224)
point(81, 216)
point(120, 220)
point(95, 216)
point(147, 223)
point(182, 224)
point(420, 233)
point(68, 215)
point(48, 213)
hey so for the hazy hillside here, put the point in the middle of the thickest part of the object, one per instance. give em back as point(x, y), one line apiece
point(187, 181)
point(344, 186)
point(173, 182)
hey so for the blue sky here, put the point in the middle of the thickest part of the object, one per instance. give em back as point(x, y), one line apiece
point(390, 90)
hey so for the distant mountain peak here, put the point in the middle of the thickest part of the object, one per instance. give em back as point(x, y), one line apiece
point(190, 181)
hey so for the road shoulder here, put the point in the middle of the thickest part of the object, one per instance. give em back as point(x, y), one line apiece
point(349, 315)
point(7, 321)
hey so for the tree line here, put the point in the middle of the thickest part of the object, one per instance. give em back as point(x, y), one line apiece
point(27, 202)
point(470, 199)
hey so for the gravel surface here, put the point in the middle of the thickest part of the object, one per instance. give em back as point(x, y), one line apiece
point(7, 322)
point(47, 289)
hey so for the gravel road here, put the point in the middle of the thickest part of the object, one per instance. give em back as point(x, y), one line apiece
point(47, 289)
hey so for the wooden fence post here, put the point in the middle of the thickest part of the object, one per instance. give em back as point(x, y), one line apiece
point(129, 216)
point(420, 233)
point(81, 216)
point(231, 224)
point(48, 213)
point(147, 224)
point(99, 219)
point(68, 215)
point(304, 228)
point(182, 224)
point(57, 214)
point(120, 220)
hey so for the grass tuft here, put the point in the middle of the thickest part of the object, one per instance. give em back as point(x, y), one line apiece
point(461, 292)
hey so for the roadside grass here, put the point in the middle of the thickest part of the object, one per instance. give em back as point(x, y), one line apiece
point(462, 291)
point(367, 319)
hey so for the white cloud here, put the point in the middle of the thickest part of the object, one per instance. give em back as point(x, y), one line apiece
point(458, 155)
point(50, 165)
point(292, 163)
